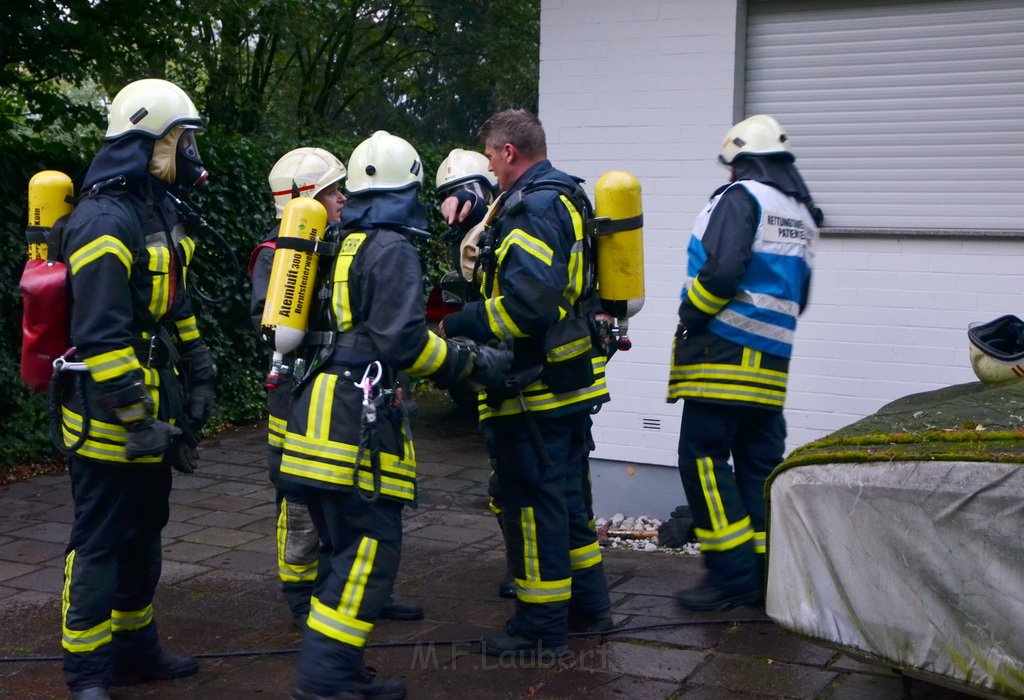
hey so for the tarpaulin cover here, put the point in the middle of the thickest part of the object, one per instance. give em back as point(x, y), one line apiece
point(916, 563)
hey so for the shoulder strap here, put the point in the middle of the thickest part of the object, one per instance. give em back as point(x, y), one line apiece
point(271, 244)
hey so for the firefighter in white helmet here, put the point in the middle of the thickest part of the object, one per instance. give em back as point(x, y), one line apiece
point(127, 250)
point(749, 271)
point(346, 441)
point(316, 173)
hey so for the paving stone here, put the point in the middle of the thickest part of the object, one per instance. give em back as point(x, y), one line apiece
point(33, 551)
point(43, 579)
point(13, 569)
point(648, 661)
point(446, 533)
point(750, 675)
point(231, 504)
point(239, 560)
point(57, 533)
point(220, 537)
point(190, 551)
point(776, 644)
point(222, 519)
point(219, 596)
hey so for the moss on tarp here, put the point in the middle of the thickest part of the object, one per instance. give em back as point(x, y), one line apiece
point(967, 422)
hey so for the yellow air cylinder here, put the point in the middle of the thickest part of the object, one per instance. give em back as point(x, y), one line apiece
point(49, 192)
point(292, 277)
point(620, 243)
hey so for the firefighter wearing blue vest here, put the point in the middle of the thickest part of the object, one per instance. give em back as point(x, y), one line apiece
point(749, 273)
point(317, 173)
point(347, 441)
point(538, 294)
point(133, 327)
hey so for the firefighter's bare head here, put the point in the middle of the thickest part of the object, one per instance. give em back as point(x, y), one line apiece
point(513, 141)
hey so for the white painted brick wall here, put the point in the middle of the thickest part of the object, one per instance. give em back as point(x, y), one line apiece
point(648, 87)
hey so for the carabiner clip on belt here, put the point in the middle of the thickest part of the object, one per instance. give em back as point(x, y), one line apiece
point(369, 439)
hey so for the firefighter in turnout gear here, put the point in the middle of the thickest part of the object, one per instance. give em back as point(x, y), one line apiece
point(538, 294)
point(466, 189)
point(316, 173)
point(347, 441)
point(148, 385)
point(749, 272)
point(303, 172)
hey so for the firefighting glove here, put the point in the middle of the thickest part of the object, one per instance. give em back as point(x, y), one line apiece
point(149, 437)
point(202, 374)
point(184, 455)
point(491, 364)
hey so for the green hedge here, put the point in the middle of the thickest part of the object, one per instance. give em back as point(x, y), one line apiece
point(238, 207)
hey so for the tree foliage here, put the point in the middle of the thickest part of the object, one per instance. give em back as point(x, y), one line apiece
point(268, 75)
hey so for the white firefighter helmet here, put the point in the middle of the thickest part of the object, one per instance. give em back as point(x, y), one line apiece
point(384, 162)
point(462, 167)
point(151, 107)
point(759, 135)
point(997, 349)
point(303, 172)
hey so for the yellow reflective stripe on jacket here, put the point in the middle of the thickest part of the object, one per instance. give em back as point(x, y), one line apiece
point(335, 625)
point(112, 364)
point(571, 349)
point(128, 621)
point(187, 328)
point(160, 293)
point(585, 557)
point(726, 538)
point(431, 358)
point(321, 408)
point(712, 497)
point(728, 392)
point(527, 243)
point(333, 462)
point(499, 322)
point(94, 250)
point(748, 383)
point(704, 300)
point(275, 431)
point(576, 267)
point(188, 247)
point(538, 398)
point(358, 575)
point(760, 542)
point(341, 297)
point(105, 441)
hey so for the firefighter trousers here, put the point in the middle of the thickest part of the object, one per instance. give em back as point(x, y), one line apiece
point(727, 499)
point(549, 536)
point(298, 544)
point(361, 543)
point(111, 567)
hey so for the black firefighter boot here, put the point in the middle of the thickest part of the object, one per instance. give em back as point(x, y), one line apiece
point(507, 585)
point(138, 658)
point(94, 693)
